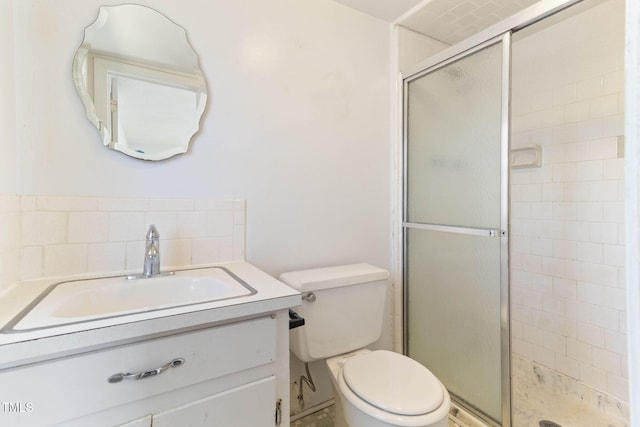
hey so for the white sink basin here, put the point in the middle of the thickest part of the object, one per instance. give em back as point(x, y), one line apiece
point(83, 300)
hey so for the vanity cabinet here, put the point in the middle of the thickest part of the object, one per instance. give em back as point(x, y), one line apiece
point(228, 375)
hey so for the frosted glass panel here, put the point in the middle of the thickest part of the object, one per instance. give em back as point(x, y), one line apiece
point(453, 285)
point(453, 143)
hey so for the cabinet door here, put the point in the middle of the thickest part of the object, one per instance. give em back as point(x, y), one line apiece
point(250, 405)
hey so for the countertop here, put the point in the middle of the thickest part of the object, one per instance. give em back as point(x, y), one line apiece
point(20, 348)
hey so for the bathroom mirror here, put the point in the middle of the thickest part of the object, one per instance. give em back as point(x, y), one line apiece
point(140, 82)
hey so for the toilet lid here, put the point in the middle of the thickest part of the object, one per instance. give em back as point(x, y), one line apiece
point(393, 382)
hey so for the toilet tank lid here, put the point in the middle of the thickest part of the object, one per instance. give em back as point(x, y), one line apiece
point(333, 277)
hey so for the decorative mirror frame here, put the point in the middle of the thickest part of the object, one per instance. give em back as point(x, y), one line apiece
point(144, 105)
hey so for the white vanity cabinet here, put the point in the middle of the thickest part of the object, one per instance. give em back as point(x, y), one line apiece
point(231, 374)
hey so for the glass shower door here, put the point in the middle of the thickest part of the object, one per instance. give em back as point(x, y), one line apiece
point(455, 222)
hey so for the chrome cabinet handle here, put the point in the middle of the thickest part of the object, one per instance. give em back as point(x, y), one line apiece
point(116, 378)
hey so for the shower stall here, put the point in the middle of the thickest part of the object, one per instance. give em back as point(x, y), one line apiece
point(511, 210)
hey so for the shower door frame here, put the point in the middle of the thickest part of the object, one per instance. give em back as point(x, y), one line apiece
point(498, 33)
point(505, 41)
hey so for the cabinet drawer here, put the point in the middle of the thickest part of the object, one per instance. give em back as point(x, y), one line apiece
point(68, 388)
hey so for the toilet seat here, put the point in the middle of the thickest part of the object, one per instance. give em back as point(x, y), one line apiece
point(349, 398)
point(393, 383)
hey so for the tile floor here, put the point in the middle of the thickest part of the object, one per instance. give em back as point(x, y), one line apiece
point(322, 418)
point(325, 418)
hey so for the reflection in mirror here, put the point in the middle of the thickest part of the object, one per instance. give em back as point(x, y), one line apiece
point(139, 80)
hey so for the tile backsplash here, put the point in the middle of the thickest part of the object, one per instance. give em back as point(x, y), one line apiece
point(63, 236)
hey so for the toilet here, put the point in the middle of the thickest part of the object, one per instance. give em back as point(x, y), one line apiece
point(344, 308)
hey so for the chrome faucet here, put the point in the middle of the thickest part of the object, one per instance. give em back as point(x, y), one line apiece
point(151, 266)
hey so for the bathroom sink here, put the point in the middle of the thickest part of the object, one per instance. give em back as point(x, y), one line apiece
point(90, 299)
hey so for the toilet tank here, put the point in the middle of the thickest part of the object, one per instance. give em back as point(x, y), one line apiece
point(345, 313)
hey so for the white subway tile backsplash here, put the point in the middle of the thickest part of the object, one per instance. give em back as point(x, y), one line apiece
point(66, 204)
point(220, 223)
point(65, 236)
point(176, 252)
point(88, 227)
point(103, 257)
point(171, 204)
point(64, 260)
point(123, 205)
point(31, 258)
point(43, 228)
point(127, 226)
point(192, 225)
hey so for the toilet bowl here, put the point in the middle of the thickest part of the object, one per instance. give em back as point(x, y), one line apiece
point(343, 308)
point(385, 389)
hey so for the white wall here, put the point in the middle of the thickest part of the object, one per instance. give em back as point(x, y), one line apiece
point(568, 288)
point(297, 124)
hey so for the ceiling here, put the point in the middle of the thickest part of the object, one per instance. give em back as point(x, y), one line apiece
point(448, 21)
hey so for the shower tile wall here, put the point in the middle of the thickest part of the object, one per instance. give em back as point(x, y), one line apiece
point(61, 236)
point(567, 217)
point(9, 240)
